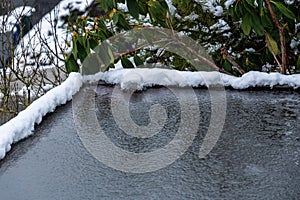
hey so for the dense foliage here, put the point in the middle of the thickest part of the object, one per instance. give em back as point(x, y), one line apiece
point(240, 35)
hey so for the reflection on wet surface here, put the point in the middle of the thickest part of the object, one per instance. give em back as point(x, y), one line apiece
point(257, 155)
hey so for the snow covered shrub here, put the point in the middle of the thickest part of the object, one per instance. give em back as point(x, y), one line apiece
point(240, 35)
point(272, 27)
point(115, 18)
point(243, 31)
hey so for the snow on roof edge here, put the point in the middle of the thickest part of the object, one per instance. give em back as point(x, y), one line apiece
point(143, 77)
point(23, 124)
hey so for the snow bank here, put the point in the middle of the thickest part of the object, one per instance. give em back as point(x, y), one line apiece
point(22, 125)
point(261, 79)
point(140, 78)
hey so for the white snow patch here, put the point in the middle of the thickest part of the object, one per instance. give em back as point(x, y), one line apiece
point(47, 87)
point(294, 43)
point(172, 8)
point(122, 6)
point(213, 6)
point(289, 1)
point(220, 26)
point(250, 50)
point(261, 79)
point(191, 17)
point(228, 3)
point(217, 11)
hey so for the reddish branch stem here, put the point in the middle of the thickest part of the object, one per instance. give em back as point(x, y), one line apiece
point(231, 60)
point(282, 38)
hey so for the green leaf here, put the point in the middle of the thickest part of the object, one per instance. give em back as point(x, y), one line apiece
point(266, 21)
point(246, 27)
point(143, 8)
point(261, 7)
point(272, 45)
point(249, 6)
point(298, 63)
point(158, 13)
point(133, 8)
point(227, 66)
point(164, 4)
point(126, 63)
point(82, 53)
point(102, 35)
point(102, 25)
point(74, 50)
point(123, 23)
point(284, 10)
point(257, 25)
point(81, 40)
point(137, 60)
point(107, 4)
point(92, 43)
point(250, 3)
point(71, 64)
point(116, 60)
point(116, 18)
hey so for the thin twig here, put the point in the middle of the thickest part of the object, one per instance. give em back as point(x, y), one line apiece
point(231, 60)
